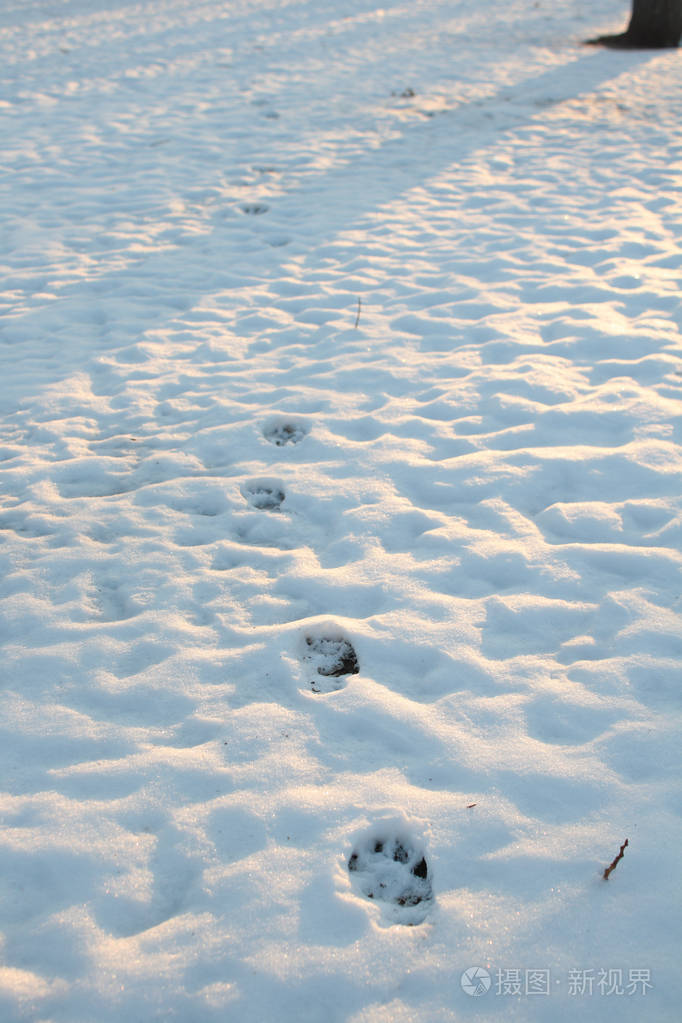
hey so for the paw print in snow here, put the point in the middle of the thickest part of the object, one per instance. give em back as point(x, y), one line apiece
point(284, 431)
point(334, 657)
point(391, 868)
point(265, 495)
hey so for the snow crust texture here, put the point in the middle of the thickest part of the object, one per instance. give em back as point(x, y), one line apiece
point(340, 513)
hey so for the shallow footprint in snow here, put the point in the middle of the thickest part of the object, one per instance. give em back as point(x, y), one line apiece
point(390, 867)
point(284, 431)
point(333, 657)
point(264, 495)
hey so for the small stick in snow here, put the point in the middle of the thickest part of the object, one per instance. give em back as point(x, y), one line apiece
point(357, 318)
point(617, 860)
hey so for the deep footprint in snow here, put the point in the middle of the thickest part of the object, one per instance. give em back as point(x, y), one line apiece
point(281, 432)
point(392, 869)
point(333, 658)
point(336, 656)
point(264, 496)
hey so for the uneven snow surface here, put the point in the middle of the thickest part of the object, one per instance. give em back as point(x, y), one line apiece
point(340, 476)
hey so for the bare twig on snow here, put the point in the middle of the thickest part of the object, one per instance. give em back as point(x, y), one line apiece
point(617, 860)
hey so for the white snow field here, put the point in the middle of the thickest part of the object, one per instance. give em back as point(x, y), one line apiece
point(341, 475)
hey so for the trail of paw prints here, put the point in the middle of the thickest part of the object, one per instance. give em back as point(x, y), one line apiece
point(264, 495)
point(390, 867)
point(332, 656)
point(281, 431)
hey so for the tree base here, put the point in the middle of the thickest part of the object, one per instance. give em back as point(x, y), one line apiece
point(619, 42)
point(625, 41)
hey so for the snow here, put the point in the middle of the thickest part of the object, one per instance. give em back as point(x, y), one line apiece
point(340, 483)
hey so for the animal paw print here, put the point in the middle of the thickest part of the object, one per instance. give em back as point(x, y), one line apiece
point(390, 867)
point(284, 431)
point(333, 657)
point(264, 495)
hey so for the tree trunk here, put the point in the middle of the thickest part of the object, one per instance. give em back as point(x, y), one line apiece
point(654, 24)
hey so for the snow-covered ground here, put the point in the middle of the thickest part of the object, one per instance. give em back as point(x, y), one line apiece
point(340, 522)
